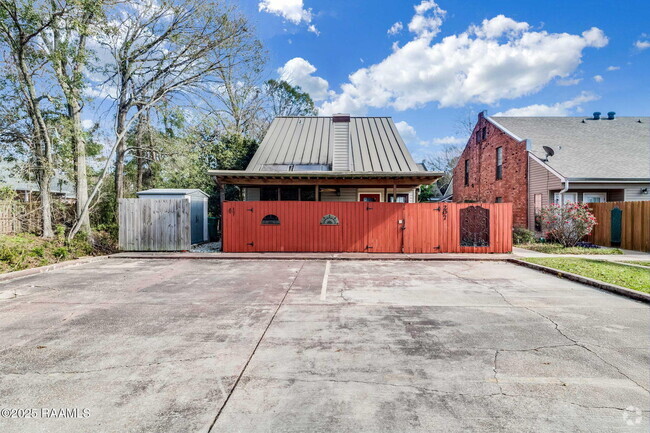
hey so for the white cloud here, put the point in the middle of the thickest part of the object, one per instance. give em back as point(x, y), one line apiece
point(406, 131)
point(498, 59)
point(450, 139)
point(499, 26)
point(568, 81)
point(410, 137)
point(427, 19)
point(298, 72)
point(312, 28)
point(557, 109)
point(613, 68)
point(290, 10)
point(598, 78)
point(87, 123)
point(395, 28)
point(642, 45)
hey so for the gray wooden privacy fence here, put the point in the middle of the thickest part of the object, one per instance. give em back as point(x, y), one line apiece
point(154, 224)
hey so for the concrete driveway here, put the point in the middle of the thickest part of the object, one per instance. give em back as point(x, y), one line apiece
point(259, 346)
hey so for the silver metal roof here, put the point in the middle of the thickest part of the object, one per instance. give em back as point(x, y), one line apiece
point(375, 145)
point(170, 191)
point(10, 175)
point(586, 148)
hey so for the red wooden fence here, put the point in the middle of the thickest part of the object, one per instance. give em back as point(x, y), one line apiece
point(363, 227)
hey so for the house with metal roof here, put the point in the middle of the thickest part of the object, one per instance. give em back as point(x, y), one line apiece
point(337, 158)
point(21, 180)
point(534, 161)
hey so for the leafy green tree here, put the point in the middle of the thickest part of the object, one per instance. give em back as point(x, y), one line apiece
point(288, 100)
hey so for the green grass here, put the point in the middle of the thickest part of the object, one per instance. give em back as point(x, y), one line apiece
point(559, 249)
point(25, 250)
point(608, 272)
point(638, 262)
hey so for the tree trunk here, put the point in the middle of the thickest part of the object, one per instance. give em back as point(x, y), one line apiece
point(44, 179)
point(120, 152)
point(42, 144)
point(79, 143)
point(143, 124)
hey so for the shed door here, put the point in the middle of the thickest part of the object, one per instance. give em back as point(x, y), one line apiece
point(196, 215)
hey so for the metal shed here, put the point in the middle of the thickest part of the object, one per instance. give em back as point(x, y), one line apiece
point(199, 207)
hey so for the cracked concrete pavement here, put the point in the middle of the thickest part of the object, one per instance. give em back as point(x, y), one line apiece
point(252, 346)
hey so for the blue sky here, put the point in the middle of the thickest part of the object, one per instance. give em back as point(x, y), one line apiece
point(444, 59)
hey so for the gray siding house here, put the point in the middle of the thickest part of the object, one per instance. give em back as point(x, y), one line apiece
point(337, 158)
point(594, 159)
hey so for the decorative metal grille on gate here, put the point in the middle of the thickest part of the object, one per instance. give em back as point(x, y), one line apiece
point(474, 227)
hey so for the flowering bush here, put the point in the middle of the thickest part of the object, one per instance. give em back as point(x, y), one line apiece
point(567, 224)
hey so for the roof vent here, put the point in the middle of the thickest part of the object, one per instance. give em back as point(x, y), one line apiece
point(596, 115)
point(341, 142)
point(341, 117)
point(611, 115)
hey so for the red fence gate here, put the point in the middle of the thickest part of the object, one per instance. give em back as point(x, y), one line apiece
point(290, 226)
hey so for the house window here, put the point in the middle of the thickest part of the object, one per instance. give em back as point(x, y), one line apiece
point(481, 134)
point(271, 220)
point(269, 193)
point(289, 193)
point(307, 193)
point(499, 200)
point(568, 197)
point(467, 172)
point(594, 197)
point(329, 220)
point(499, 163)
point(399, 198)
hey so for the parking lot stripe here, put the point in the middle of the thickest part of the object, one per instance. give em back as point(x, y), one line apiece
point(232, 390)
point(323, 290)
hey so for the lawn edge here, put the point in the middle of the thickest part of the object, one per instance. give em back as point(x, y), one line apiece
point(619, 290)
point(47, 268)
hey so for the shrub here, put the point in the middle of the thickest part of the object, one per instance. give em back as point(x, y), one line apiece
point(567, 224)
point(38, 251)
point(104, 242)
point(521, 235)
point(60, 252)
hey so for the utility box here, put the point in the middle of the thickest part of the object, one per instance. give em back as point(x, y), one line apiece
point(198, 208)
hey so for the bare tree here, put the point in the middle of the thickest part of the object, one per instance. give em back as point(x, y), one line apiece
point(65, 43)
point(168, 49)
point(465, 123)
point(444, 161)
point(241, 98)
point(22, 24)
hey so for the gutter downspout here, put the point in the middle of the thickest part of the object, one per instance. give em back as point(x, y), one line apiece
point(565, 189)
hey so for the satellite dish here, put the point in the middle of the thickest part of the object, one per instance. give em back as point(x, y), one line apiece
point(549, 152)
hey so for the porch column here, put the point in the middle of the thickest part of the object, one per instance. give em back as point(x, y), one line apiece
point(222, 199)
point(317, 198)
point(394, 193)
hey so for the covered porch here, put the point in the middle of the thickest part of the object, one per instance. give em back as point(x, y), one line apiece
point(326, 185)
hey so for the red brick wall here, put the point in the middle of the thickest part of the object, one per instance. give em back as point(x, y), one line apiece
point(483, 185)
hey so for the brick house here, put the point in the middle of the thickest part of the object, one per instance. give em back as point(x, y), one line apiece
point(534, 161)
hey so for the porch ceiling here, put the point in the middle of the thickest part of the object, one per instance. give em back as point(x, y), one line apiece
point(242, 177)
